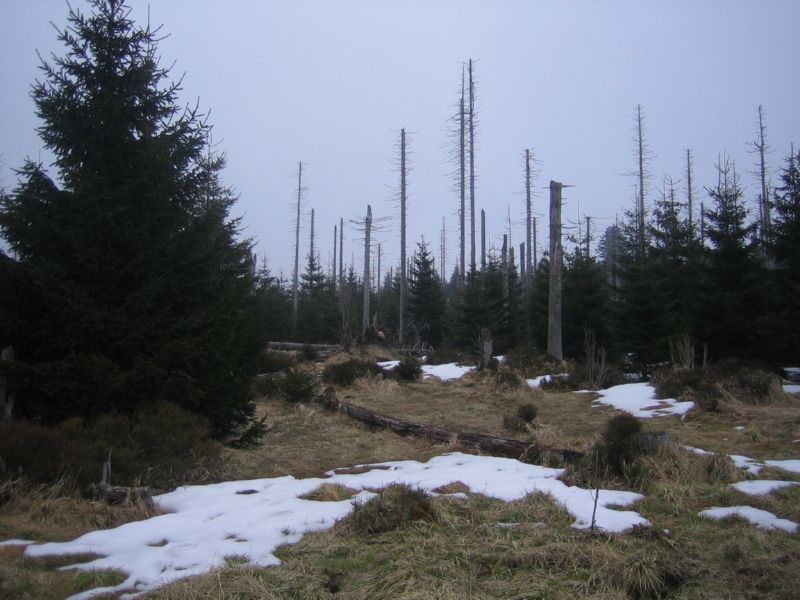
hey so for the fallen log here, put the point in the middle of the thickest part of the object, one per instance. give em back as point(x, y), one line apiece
point(490, 444)
point(297, 347)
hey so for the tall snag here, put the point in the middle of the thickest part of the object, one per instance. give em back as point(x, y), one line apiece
point(554, 348)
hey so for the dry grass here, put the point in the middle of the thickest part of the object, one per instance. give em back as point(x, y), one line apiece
point(477, 547)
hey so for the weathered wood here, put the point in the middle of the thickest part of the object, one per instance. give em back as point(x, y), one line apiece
point(649, 442)
point(117, 494)
point(296, 346)
point(493, 445)
point(554, 347)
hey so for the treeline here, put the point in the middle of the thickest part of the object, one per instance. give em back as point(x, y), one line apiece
point(661, 287)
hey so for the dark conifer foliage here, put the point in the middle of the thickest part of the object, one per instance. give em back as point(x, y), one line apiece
point(129, 284)
point(426, 302)
point(318, 307)
point(734, 282)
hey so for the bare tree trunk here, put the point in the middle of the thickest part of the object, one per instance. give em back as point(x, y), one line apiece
point(554, 313)
point(486, 348)
point(296, 274)
point(443, 253)
point(378, 278)
point(365, 309)
point(335, 240)
point(483, 240)
point(472, 168)
point(311, 251)
point(763, 204)
point(6, 395)
point(588, 237)
point(643, 154)
point(401, 333)
point(462, 183)
point(341, 251)
point(528, 222)
point(535, 264)
point(522, 266)
point(690, 190)
point(504, 265)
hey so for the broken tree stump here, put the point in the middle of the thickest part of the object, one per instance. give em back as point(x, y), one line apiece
point(490, 444)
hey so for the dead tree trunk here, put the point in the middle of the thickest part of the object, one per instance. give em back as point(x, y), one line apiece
point(341, 251)
point(763, 202)
point(483, 240)
point(690, 190)
point(490, 444)
point(504, 265)
point(554, 348)
point(365, 309)
point(472, 167)
point(486, 348)
point(296, 274)
point(522, 267)
point(402, 320)
point(528, 222)
point(334, 274)
point(6, 394)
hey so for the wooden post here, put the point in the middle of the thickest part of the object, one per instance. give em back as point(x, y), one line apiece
point(485, 348)
point(554, 348)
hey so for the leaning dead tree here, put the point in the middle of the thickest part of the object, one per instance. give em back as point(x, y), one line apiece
point(554, 348)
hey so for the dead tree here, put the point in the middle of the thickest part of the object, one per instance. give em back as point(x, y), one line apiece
point(443, 251)
point(6, 394)
point(690, 190)
point(462, 171)
point(296, 273)
point(311, 254)
point(522, 266)
point(403, 269)
point(341, 251)
point(504, 265)
point(761, 148)
point(643, 156)
point(530, 220)
point(554, 348)
point(366, 281)
point(483, 240)
point(472, 166)
point(334, 276)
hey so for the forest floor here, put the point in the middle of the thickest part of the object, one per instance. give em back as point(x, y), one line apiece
point(476, 546)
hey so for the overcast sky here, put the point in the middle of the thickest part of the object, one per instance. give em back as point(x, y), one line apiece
point(331, 83)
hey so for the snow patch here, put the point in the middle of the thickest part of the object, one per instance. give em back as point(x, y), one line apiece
point(762, 487)
point(639, 399)
point(792, 465)
point(207, 523)
point(16, 543)
point(446, 372)
point(756, 516)
point(537, 381)
point(791, 388)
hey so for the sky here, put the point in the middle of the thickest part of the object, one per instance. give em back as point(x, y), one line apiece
point(331, 83)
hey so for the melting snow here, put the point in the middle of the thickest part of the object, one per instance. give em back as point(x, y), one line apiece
point(205, 524)
point(537, 381)
point(791, 388)
point(793, 465)
point(444, 372)
point(756, 516)
point(762, 487)
point(639, 399)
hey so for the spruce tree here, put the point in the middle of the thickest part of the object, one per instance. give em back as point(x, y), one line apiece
point(129, 284)
point(318, 318)
point(733, 276)
point(426, 302)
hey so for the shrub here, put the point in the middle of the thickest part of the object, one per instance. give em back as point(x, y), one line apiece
point(506, 378)
point(527, 412)
point(308, 353)
point(345, 373)
point(298, 386)
point(395, 507)
point(741, 381)
point(515, 423)
point(443, 356)
point(618, 447)
point(161, 445)
point(409, 369)
point(275, 362)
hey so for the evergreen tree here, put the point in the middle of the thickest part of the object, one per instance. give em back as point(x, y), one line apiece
point(426, 302)
point(784, 317)
point(128, 284)
point(733, 292)
point(585, 303)
point(318, 319)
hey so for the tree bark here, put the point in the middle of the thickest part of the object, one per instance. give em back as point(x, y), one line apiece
point(403, 270)
point(472, 168)
point(554, 348)
point(366, 281)
point(296, 274)
point(490, 444)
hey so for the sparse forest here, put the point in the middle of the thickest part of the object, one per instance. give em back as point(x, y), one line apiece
point(146, 346)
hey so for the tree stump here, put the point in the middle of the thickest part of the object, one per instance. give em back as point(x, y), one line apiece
point(649, 442)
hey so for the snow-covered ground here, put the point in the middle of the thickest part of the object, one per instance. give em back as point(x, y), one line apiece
point(762, 487)
point(206, 524)
point(446, 372)
point(639, 399)
point(753, 466)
